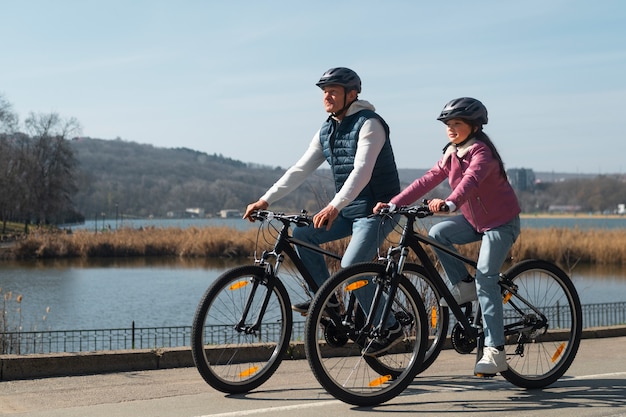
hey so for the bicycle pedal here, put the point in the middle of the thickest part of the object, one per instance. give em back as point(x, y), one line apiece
point(485, 375)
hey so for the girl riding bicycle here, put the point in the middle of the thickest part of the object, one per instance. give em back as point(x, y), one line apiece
point(489, 213)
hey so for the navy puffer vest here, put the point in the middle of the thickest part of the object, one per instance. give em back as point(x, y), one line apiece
point(339, 142)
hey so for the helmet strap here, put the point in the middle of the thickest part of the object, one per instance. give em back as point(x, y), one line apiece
point(346, 105)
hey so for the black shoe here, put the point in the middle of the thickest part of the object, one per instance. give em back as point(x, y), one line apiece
point(303, 307)
point(383, 344)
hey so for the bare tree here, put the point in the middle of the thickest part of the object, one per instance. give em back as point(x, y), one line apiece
point(8, 127)
point(50, 166)
point(8, 119)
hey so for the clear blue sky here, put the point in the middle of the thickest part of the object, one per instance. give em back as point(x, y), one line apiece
point(237, 78)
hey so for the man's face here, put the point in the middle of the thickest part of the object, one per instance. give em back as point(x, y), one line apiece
point(335, 98)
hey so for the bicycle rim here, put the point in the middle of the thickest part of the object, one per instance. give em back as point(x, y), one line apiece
point(340, 367)
point(540, 356)
point(229, 358)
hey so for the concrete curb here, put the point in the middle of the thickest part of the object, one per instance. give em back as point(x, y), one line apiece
point(65, 364)
point(14, 367)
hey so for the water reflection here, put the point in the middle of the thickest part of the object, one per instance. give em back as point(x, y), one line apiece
point(132, 262)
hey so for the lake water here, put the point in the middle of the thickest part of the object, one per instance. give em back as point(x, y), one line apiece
point(103, 294)
point(100, 294)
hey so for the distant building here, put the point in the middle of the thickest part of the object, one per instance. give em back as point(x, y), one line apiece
point(228, 213)
point(621, 209)
point(522, 179)
point(564, 208)
point(194, 212)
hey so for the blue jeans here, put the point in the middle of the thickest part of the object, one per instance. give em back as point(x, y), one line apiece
point(494, 248)
point(368, 233)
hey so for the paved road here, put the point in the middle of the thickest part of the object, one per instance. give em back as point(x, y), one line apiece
point(594, 386)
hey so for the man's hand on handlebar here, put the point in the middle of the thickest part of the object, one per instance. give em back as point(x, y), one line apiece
point(380, 206)
point(325, 217)
point(259, 205)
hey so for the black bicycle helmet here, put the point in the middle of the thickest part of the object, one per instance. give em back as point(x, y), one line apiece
point(466, 108)
point(342, 76)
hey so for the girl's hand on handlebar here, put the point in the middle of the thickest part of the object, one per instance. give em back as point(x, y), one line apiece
point(436, 205)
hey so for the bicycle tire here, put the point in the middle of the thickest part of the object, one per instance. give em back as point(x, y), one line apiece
point(235, 361)
point(343, 370)
point(543, 357)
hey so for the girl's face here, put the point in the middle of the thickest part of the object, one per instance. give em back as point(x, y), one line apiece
point(458, 130)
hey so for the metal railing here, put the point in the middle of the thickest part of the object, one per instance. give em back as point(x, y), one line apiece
point(55, 341)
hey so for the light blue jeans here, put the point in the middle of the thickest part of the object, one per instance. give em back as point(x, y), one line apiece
point(494, 249)
point(368, 233)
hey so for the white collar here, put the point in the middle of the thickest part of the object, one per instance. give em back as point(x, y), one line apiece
point(460, 151)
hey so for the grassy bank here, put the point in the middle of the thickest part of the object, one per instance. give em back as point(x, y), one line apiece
point(567, 246)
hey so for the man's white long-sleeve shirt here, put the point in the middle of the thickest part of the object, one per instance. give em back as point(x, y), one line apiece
point(371, 140)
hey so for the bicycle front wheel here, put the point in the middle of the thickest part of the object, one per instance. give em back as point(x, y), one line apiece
point(543, 324)
point(334, 342)
point(238, 341)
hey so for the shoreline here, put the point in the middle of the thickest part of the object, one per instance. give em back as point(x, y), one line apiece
point(572, 216)
point(566, 245)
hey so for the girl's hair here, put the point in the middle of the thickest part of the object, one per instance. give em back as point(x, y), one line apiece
point(482, 136)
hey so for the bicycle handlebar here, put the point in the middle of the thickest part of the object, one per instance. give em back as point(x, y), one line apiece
point(419, 211)
point(409, 211)
point(299, 220)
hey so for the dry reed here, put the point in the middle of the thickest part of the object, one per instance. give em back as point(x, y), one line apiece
point(564, 246)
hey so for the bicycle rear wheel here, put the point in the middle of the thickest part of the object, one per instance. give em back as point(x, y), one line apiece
point(231, 352)
point(333, 346)
point(543, 324)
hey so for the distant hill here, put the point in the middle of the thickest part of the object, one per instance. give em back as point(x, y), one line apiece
point(142, 180)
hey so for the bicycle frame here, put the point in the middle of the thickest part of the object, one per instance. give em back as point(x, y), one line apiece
point(414, 241)
point(284, 245)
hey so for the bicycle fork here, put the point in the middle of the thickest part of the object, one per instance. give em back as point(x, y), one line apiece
point(267, 281)
point(390, 280)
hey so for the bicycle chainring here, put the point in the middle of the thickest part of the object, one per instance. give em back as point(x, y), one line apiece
point(461, 343)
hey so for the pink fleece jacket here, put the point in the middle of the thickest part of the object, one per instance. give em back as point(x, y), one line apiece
point(485, 198)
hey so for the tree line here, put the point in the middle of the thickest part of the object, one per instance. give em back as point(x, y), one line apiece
point(131, 179)
point(37, 167)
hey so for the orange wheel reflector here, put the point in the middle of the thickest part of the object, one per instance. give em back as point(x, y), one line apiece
point(507, 297)
point(558, 352)
point(357, 284)
point(238, 285)
point(248, 372)
point(379, 381)
point(433, 317)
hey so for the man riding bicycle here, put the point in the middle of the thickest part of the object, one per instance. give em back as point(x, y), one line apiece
point(355, 141)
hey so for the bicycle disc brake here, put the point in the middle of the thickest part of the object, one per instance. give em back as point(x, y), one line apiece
point(335, 336)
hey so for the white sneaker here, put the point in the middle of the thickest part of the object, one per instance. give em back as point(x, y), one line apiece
point(463, 292)
point(492, 362)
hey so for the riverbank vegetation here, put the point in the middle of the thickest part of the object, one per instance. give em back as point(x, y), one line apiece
point(567, 246)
